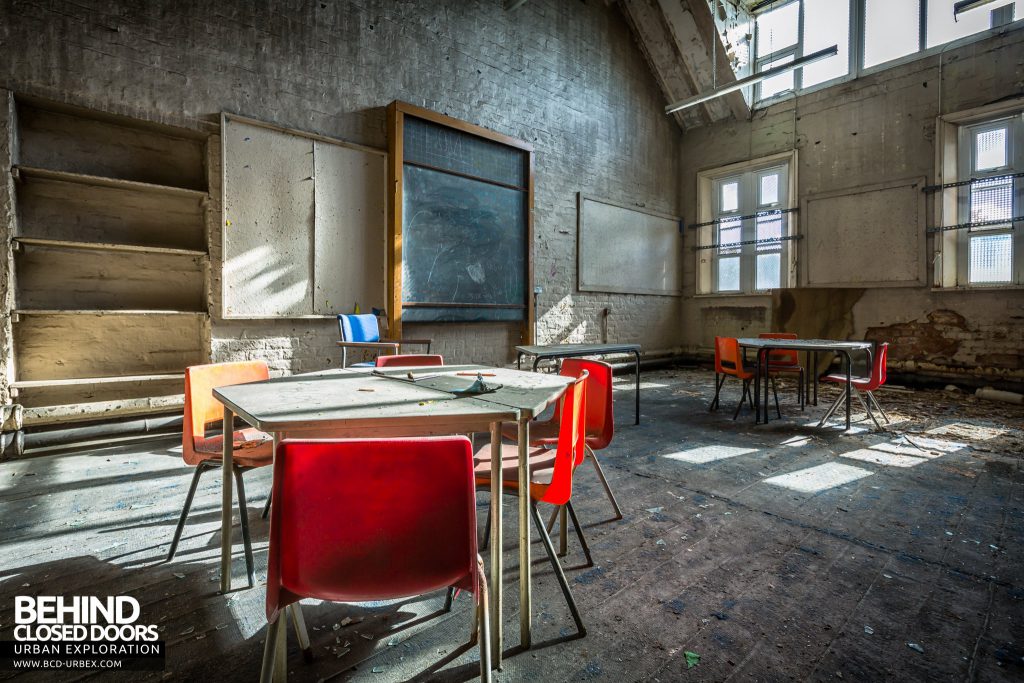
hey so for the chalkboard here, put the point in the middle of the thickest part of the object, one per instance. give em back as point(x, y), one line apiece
point(465, 230)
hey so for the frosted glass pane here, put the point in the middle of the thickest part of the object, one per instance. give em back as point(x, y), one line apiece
point(729, 232)
point(728, 274)
point(990, 149)
point(990, 260)
point(730, 200)
point(777, 29)
point(776, 84)
point(826, 23)
point(769, 189)
point(768, 270)
point(991, 201)
point(891, 29)
point(768, 229)
point(942, 29)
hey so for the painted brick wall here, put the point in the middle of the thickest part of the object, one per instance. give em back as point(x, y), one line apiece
point(565, 76)
point(877, 129)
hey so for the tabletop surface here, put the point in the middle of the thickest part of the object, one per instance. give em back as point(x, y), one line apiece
point(803, 344)
point(557, 349)
point(348, 397)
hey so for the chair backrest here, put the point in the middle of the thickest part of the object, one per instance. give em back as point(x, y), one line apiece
point(728, 359)
point(781, 357)
point(878, 366)
point(599, 410)
point(410, 359)
point(201, 408)
point(371, 519)
point(359, 328)
point(571, 438)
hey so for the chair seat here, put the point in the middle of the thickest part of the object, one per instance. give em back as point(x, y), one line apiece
point(541, 433)
point(250, 447)
point(542, 462)
point(784, 367)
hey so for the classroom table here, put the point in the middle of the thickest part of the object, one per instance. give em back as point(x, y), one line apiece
point(540, 352)
point(812, 347)
point(368, 402)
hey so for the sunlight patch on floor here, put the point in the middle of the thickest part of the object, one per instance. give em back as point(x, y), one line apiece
point(819, 477)
point(705, 454)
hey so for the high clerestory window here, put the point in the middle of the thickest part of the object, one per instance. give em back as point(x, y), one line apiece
point(869, 34)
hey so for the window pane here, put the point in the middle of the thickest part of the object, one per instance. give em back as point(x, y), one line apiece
point(990, 258)
point(992, 201)
point(942, 28)
point(990, 149)
point(730, 197)
point(890, 29)
point(768, 266)
point(728, 274)
point(776, 84)
point(769, 228)
point(777, 29)
point(769, 189)
point(729, 232)
point(826, 23)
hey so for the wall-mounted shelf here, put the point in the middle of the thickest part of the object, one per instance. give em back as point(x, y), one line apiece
point(101, 312)
point(88, 381)
point(23, 173)
point(107, 246)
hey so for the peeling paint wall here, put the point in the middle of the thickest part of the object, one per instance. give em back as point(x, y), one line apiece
point(875, 130)
point(566, 77)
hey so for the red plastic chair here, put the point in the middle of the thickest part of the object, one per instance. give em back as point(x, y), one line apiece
point(410, 360)
point(785, 361)
point(409, 527)
point(252, 448)
point(867, 385)
point(599, 420)
point(551, 478)
point(729, 362)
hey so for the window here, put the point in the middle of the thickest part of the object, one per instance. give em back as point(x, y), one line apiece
point(886, 30)
point(747, 230)
point(979, 238)
point(989, 154)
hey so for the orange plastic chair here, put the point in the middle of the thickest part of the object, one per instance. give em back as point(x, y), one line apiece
point(729, 362)
point(252, 448)
point(551, 473)
point(784, 361)
point(399, 536)
point(863, 384)
point(410, 360)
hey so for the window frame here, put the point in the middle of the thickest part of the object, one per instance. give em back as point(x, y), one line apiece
point(856, 51)
point(952, 206)
point(709, 182)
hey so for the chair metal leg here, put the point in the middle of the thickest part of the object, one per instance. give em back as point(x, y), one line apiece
point(559, 574)
point(563, 532)
point(719, 381)
point(299, 623)
point(553, 518)
point(449, 598)
point(867, 409)
point(243, 517)
point(604, 483)
point(270, 650)
point(743, 397)
point(874, 402)
point(266, 508)
point(484, 620)
point(200, 468)
point(775, 393)
point(487, 528)
point(579, 534)
point(839, 402)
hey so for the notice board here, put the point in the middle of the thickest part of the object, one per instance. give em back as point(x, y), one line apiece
point(304, 229)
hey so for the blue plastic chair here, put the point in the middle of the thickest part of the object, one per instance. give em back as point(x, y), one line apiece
point(362, 332)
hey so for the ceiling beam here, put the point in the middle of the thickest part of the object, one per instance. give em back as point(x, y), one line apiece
point(693, 50)
point(705, 23)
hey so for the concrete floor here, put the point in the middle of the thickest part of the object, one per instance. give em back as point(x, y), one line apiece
point(776, 552)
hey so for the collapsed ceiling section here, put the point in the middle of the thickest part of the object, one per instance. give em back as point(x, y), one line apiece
point(693, 46)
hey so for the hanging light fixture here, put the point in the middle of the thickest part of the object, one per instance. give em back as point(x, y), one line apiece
point(753, 78)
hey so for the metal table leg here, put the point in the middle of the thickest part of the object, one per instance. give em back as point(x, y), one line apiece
point(637, 353)
point(849, 386)
point(525, 589)
point(227, 470)
point(496, 546)
point(764, 364)
point(519, 360)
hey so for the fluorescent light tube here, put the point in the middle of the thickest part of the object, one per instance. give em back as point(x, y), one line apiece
point(753, 78)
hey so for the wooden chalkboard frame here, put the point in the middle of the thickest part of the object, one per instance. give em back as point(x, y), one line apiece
point(396, 113)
